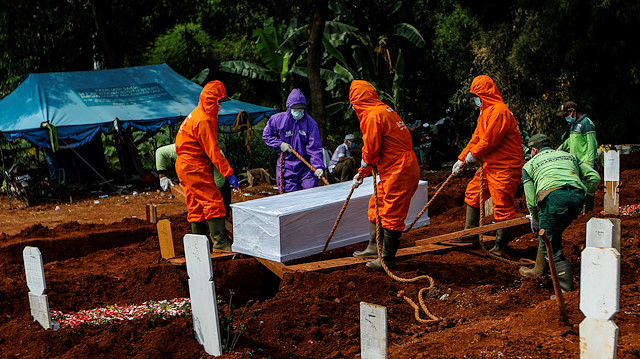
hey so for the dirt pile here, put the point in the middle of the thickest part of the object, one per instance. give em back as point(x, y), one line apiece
point(488, 310)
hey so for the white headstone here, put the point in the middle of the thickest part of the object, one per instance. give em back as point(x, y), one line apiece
point(598, 339)
point(38, 301)
point(202, 291)
point(600, 282)
point(600, 233)
point(612, 166)
point(373, 331)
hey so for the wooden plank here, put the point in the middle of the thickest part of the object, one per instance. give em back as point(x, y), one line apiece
point(467, 232)
point(166, 239)
point(611, 198)
point(178, 192)
point(275, 267)
point(216, 254)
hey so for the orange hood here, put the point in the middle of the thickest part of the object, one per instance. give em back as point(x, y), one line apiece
point(484, 87)
point(364, 98)
point(211, 93)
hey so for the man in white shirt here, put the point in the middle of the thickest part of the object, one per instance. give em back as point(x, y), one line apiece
point(342, 166)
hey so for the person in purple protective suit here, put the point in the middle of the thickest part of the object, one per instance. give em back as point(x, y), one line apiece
point(295, 129)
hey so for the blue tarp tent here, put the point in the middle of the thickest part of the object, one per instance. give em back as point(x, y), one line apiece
point(83, 103)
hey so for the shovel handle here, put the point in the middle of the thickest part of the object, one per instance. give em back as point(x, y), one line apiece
point(554, 277)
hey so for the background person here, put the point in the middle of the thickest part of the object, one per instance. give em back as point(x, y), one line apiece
point(496, 140)
point(197, 148)
point(386, 145)
point(555, 184)
point(295, 129)
point(342, 165)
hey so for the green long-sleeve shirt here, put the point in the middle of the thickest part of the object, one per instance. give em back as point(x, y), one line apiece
point(582, 141)
point(551, 169)
point(166, 158)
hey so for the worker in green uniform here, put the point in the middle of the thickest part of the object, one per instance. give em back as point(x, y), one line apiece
point(555, 183)
point(165, 160)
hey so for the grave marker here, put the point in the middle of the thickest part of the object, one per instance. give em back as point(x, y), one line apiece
point(373, 331)
point(600, 290)
point(203, 293)
point(165, 238)
point(152, 213)
point(611, 182)
point(38, 301)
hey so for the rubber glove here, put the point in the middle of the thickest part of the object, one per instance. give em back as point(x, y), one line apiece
point(535, 226)
point(165, 182)
point(285, 147)
point(363, 164)
point(470, 158)
point(357, 181)
point(457, 168)
point(233, 181)
point(318, 173)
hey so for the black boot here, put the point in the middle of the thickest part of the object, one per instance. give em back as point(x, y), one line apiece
point(565, 275)
point(503, 237)
point(372, 249)
point(472, 220)
point(539, 268)
point(390, 247)
point(218, 234)
point(199, 228)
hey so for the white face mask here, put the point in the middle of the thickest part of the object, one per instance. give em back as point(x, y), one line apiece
point(297, 114)
point(570, 119)
point(477, 101)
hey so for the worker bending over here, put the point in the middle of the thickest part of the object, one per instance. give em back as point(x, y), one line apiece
point(387, 146)
point(555, 184)
point(197, 148)
point(495, 141)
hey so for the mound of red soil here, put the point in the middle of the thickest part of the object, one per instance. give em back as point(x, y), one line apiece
point(488, 310)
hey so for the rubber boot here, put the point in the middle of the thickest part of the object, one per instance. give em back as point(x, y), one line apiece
point(199, 228)
point(218, 234)
point(472, 220)
point(503, 237)
point(390, 247)
point(372, 250)
point(565, 275)
point(539, 268)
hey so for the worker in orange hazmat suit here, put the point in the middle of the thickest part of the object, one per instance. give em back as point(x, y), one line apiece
point(387, 146)
point(497, 141)
point(197, 149)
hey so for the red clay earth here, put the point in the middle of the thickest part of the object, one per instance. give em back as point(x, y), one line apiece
point(98, 255)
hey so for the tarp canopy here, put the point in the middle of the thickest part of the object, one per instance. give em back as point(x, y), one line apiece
point(82, 104)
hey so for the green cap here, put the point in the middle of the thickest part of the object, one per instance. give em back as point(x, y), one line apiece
point(539, 140)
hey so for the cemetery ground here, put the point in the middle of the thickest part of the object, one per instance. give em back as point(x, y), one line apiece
point(97, 255)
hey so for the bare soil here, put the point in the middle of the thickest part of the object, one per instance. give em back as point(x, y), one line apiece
point(100, 254)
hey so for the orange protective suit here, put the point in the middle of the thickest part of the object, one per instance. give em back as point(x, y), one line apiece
point(387, 145)
point(197, 148)
point(498, 143)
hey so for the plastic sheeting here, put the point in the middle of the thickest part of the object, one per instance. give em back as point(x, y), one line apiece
point(297, 224)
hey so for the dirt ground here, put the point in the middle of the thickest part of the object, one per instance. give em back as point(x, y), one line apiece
point(103, 253)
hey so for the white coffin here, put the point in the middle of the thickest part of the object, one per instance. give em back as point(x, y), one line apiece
point(297, 224)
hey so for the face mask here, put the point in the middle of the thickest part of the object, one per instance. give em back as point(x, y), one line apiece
point(477, 101)
point(352, 145)
point(570, 119)
point(297, 114)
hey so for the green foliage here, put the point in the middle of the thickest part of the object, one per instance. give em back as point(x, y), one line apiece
point(241, 158)
point(231, 327)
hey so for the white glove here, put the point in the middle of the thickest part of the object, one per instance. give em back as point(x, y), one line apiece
point(357, 181)
point(470, 158)
point(165, 182)
point(363, 164)
point(285, 147)
point(318, 173)
point(457, 168)
point(535, 226)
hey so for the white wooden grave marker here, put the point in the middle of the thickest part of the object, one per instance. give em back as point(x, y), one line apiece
point(611, 182)
point(599, 291)
point(202, 291)
point(603, 233)
point(38, 301)
point(373, 331)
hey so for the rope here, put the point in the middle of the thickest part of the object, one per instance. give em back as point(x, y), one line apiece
point(243, 122)
point(313, 169)
point(480, 224)
point(384, 265)
point(429, 202)
point(281, 172)
point(335, 225)
point(422, 306)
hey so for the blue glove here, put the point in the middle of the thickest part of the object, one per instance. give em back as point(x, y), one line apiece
point(233, 181)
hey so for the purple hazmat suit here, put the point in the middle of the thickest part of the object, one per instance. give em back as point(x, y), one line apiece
point(303, 135)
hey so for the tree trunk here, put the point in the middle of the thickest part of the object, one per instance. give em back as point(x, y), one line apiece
point(109, 38)
point(313, 66)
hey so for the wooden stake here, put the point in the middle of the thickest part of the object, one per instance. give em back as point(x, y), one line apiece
point(166, 239)
point(554, 278)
